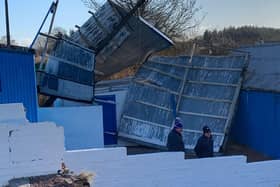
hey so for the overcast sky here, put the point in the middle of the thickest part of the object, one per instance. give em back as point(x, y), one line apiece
point(223, 13)
point(27, 15)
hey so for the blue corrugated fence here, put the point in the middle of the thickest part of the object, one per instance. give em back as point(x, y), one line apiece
point(257, 122)
point(17, 80)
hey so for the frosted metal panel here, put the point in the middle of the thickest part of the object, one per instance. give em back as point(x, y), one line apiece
point(68, 73)
point(117, 49)
point(208, 97)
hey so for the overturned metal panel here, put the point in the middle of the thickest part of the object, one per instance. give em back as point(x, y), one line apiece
point(68, 73)
point(205, 91)
point(119, 48)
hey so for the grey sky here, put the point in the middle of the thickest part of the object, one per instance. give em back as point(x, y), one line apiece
point(223, 13)
point(27, 15)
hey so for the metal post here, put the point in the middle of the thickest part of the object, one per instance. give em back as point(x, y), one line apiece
point(185, 79)
point(33, 42)
point(232, 109)
point(83, 37)
point(99, 24)
point(53, 11)
point(7, 24)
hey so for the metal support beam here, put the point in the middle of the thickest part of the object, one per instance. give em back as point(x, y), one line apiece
point(213, 83)
point(68, 41)
point(98, 23)
point(43, 23)
point(53, 9)
point(197, 67)
point(190, 81)
point(161, 72)
point(232, 107)
point(83, 37)
point(185, 96)
point(165, 126)
point(181, 112)
point(98, 72)
point(184, 80)
point(7, 24)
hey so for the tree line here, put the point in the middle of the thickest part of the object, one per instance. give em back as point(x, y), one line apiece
point(245, 35)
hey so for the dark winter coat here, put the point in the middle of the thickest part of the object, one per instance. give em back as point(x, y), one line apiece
point(175, 141)
point(204, 147)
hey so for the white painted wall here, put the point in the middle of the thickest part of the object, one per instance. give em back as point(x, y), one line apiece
point(82, 158)
point(38, 149)
point(83, 126)
point(13, 113)
point(29, 150)
point(120, 100)
point(168, 169)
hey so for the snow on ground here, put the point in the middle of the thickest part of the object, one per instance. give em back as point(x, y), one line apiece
point(12, 114)
point(171, 169)
point(38, 149)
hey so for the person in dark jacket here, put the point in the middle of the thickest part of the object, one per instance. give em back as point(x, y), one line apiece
point(204, 145)
point(175, 139)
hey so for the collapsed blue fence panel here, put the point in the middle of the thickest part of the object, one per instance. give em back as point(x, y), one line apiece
point(205, 91)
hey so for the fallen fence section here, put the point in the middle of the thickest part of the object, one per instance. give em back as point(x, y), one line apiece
point(205, 90)
point(119, 40)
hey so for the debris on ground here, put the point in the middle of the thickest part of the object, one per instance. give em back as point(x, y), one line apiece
point(54, 180)
point(63, 178)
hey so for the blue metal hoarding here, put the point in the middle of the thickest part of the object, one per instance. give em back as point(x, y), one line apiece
point(17, 79)
point(257, 122)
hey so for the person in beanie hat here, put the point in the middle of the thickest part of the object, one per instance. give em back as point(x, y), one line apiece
point(175, 139)
point(204, 145)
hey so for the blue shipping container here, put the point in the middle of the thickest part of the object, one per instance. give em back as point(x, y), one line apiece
point(257, 122)
point(17, 80)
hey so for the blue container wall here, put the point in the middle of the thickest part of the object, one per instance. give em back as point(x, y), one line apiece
point(257, 122)
point(17, 80)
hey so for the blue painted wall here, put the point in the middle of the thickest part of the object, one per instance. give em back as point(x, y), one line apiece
point(257, 122)
point(17, 80)
point(83, 125)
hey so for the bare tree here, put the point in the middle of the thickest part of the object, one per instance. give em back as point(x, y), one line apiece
point(92, 4)
point(173, 17)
